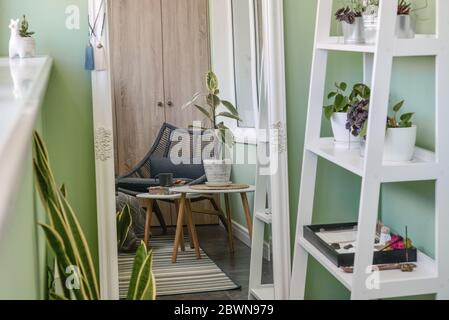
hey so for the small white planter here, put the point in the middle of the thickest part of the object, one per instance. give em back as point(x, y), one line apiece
point(400, 144)
point(342, 136)
point(218, 171)
point(371, 25)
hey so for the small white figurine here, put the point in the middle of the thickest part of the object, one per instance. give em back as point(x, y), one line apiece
point(385, 236)
point(21, 46)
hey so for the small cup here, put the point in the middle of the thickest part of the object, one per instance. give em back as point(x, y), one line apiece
point(165, 179)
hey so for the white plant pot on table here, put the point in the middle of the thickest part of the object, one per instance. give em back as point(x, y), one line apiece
point(400, 144)
point(218, 171)
point(342, 136)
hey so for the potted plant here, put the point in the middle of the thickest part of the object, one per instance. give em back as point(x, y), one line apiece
point(337, 113)
point(218, 170)
point(400, 137)
point(405, 23)
point(28, 41)
point(351, 21)
point(357, 121)
point(370, 20)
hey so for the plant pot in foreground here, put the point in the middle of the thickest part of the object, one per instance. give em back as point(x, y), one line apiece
point(400, 144)
point(354, 33)
point(218, 171)
point(342, 136)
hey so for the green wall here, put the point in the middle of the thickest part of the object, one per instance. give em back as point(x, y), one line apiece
point(338, 191)
point(67, 127)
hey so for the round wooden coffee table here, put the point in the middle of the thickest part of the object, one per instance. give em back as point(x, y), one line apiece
point(183, 206)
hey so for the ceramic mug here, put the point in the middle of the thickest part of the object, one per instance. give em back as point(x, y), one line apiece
point(165, 179)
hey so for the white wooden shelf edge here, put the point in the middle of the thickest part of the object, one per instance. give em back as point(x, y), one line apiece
point(265, 292)
point(392, 283)
point(422, 167)
point(421, 45)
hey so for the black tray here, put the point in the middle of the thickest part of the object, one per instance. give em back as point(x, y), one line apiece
point(347, 259)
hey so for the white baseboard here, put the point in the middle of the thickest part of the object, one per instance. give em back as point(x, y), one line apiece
point(242, 234)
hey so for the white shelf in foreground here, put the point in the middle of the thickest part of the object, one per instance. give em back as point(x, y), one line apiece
point(422, 167)
point(265, 292)
point(395, 283)
point(421, 45)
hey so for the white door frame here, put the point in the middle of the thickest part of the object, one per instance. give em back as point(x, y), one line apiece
point(104, 145)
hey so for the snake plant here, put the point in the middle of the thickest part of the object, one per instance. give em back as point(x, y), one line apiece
point(124, 221)
point(66, 239)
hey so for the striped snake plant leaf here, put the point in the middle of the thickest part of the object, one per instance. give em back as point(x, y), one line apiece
point(124, 222)
point(64, 220)
point(142, 284)
point(82, 250)
point(57, 245)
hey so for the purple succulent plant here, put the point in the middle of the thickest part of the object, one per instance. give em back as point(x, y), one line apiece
point(357, 117)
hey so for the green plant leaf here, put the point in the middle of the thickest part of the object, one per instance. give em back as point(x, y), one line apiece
point(204, 111)
point(212, 81)
point(398, 106)
point(229, 115)
point(328, 112)
point(331, 95)
point(406, 117)
point(364, 131)
point(142, 284)
point(339, 101)
point(124, 222)
point(230, 107)
point(213, 101)
point(343, 86)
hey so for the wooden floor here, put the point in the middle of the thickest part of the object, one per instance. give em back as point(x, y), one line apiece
point(213, 240)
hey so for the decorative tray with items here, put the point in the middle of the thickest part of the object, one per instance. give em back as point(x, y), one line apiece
point(338, 243)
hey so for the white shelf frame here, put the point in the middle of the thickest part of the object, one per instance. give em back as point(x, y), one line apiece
point(432, 275)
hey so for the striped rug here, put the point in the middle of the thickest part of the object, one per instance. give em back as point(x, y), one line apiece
point(188, 275)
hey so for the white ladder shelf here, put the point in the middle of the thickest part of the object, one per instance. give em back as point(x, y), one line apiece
point(431, 275)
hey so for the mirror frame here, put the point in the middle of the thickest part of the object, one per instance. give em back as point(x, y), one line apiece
point(104, 154)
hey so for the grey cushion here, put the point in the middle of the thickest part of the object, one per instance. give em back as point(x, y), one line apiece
point(181, 171)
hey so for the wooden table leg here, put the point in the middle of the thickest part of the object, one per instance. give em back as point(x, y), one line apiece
point(247, 214)
point(148, 219)
point(183, 246)
point(229, 216)
point(192, 229)
point(179, 227)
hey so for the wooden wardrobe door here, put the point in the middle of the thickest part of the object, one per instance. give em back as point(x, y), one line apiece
point(186, 62)
point(186, 56)
point(137, 68)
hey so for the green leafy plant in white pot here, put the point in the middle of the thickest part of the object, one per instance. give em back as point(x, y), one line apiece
point(218, 169)
point(337, 112)
point(400, 138)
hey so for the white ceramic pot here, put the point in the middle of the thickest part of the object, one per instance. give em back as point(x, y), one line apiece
point(218, 171)
point(400, 144)
point(405, 27)
point(342, 136)
point(354, 33)
point(28, 47)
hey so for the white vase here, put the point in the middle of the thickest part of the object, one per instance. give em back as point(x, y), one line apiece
point(342, 136)
point(400, 144)
point(218, 171)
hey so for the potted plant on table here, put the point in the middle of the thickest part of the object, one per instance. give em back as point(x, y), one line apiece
point(21, 43)
point(400, 137)
point(218, 170)
point(351, 21)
